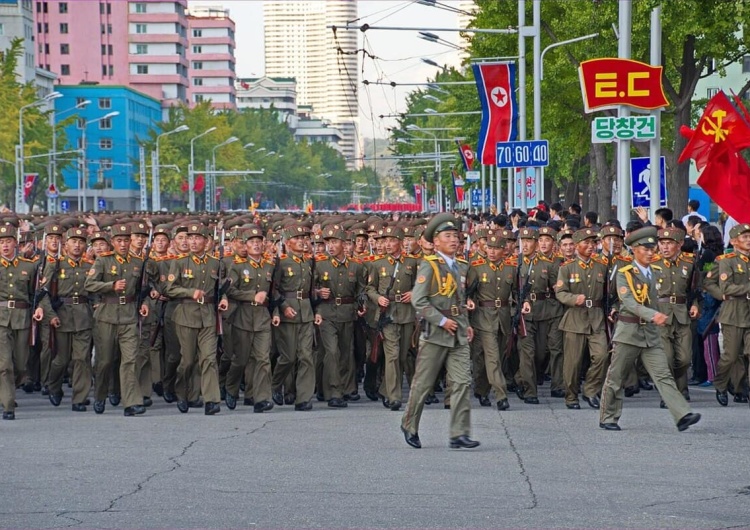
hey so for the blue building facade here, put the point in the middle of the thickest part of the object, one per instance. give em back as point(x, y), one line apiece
point(111, 144)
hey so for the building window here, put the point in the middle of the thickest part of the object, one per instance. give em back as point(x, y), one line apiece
point(711, 92)
point(105, 8)
point(64, 69)
point(197, 81)
point(199, 98)
point(141, 69)
point(746, 64)
point(197, 65)
point(197, 49)
point(107, 49)
point(105, 163)
point(2, 30)
point(65, 49)
point(110, 70)
point(141, 49)
point(105, 103)
point(105, 124)
point(80, 123)
point(140, 28)
point(79, 101)
point(63, 7)
point(45, 27)
point(64, 28)
point(105, 144)
point(197, 33)
point(140, 7)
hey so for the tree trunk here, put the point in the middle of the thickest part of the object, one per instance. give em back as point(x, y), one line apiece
point(678, 175)
point(604, 173)
point(571, 193)
point(592, 202)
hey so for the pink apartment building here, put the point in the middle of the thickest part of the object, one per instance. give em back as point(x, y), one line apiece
point(141, 44)
point(210, 53)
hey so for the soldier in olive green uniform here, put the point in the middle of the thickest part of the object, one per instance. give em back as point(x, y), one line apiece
point(140, 248)
point(481, 382)
point(581, 287)
point(539, 310)
point(69, 309)
point(250, 293)
point(733, 276)
point(192, 284)
point(114, 277)
point(17, 281)
point(637, 334)
point(552, 358)
point(396, 270)
point(494, 279)
point(159, 254)
point(439, 296)
point(294, 320)
point(239, 251)
point(674, 286)
point(339, 281)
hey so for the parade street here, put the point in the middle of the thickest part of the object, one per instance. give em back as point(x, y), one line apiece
point(538, 467)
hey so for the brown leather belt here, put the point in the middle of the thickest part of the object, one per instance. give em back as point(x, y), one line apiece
point(340, 300)
point(493, 303)
point(672, 299)
point(297, 295)
point(631, 320)
point(534, 297)
point(454, 311)
point(14, 304)
point(256, 304)
point(75, 300)
point(591, 303)
point(729, 297)
point(396, 298)
point(120, 300)
point(204, 300)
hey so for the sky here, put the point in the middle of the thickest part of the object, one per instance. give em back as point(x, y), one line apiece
point(399, 52)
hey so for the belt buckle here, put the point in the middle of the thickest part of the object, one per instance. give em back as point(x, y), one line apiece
point(673, 299)
point(455, 311)
point(75, 300)
point(397, 298)
point(532, 297)
point(643, 322)
point(201, 300)
point(498, 303)
point(299, 295)
point(11, 304)
point(589, 303)
point(255, 304)
point(122, 300)
point(337, 300)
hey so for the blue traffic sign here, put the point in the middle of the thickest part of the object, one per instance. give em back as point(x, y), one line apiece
point(523, 154)
point(640, 178)
point(65, 206)
point(476, 198)
point(102, 204)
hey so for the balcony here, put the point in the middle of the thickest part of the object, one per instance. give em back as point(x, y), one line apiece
point(157, 38)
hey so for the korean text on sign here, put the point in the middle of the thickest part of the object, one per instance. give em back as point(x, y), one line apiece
point(609, 129)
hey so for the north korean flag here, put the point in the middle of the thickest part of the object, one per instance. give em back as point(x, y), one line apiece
point(467, 155)
point(496, 86)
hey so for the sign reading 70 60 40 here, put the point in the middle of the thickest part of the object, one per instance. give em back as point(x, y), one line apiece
point(523, 154)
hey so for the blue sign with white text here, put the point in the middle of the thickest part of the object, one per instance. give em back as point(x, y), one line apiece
point(476, 198)
point(65, 206)
point(533, 153)
point(640, 178)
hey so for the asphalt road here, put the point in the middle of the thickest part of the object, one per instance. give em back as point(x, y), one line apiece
point(538, 467)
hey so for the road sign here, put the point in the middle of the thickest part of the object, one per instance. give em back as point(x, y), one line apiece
point(102, 204)
point(640, 178)
point(64, 206)
point(52, 191)
point(523, 154)
point(476, 198)
point(473, 176)
point(636, 128)
point(525, 179)
point(432, 205)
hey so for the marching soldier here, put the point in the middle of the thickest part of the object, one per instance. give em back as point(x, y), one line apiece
point(69, 309)
point(192, 284)
point(674, 283)
point(17, 281)
point(554, 361)
point(159, 255)
point(581, 287)
point(239, 252)
point(140, 247)
point(339, 281)
point(439, 296)
point(114, 277)
point(494, 280)
point(637, 335)
point(250, 292)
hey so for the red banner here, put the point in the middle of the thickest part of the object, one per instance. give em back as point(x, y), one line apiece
point(458, 185)
point(467, 155)
point(609, 82)
point(418, 194)
point(200, 184)
point(496, 88)
point(28, 184)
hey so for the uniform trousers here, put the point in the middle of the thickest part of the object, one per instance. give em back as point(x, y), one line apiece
point(107, 337)
point(198, 353)
point(74, 348)
point(574, 346)
point(14, 350)
point(251, 348)
point(295, 342)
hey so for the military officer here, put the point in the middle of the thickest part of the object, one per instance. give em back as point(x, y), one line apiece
point(114, 277)
point(389, 286)
point(71, 318)
point(294, 319)
point(566, 244)
point(159, 255)
point(339, 281)
point(637, 334)
point(674, 284)
point(493, 281)
point(140, 247)
point(580, 287)
point(17, 281)
point(552, 360)
point(239, 252)
point(250, 292)
point(439, 298)
point(192, 283)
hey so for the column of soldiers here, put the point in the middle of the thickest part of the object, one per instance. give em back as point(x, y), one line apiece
point(171, 308)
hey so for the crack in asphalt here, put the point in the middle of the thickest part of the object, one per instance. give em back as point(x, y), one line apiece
point(702, 499)
point(522, 467)
point(248, 433)
point(64, 515)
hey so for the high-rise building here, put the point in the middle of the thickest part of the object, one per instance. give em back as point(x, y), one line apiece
point(211, 57)
point(140, 44)
point(298, 44)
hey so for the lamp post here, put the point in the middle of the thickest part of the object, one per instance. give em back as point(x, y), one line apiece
point(439, 190)
point(52, 202)
point(191, 169)
point(82, 163)
point(211, 181)
point(20, 169)
point(155, 177)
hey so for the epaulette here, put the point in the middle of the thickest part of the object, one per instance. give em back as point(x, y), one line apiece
point(105, 254)
point(51, 259)
point(542, 257)
point(601, 260)
point(433, 257)
point(480, 261)
point(86, 260)
point(626, 259)
point(512, 261)
point(321, 257)
point(656, 267)
point(725, 256)
point(264, 260)
point(461, 260)
point(238, 260)
point(687, 256)
point(27, 260)
point(355, 260)
point(656, 257)
point(572, 260)
point(626, 268)
point(284, 256)
point(369, 258)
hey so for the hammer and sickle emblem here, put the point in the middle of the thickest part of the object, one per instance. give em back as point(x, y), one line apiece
point(715, 130)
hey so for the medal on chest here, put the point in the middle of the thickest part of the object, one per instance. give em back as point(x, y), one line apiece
point(484, 278)
point(739, 268)
point(325, 276)
point(62, 274)
point(246, 276)
point(188, 274)
point(383, 272)
point(113, 270)
point(289, 271)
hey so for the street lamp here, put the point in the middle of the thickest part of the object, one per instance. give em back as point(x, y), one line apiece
point(211, 180)
point(155, 176)
point(250, 144)
point(52, 180)
point(191, 169)
point(84, 173)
